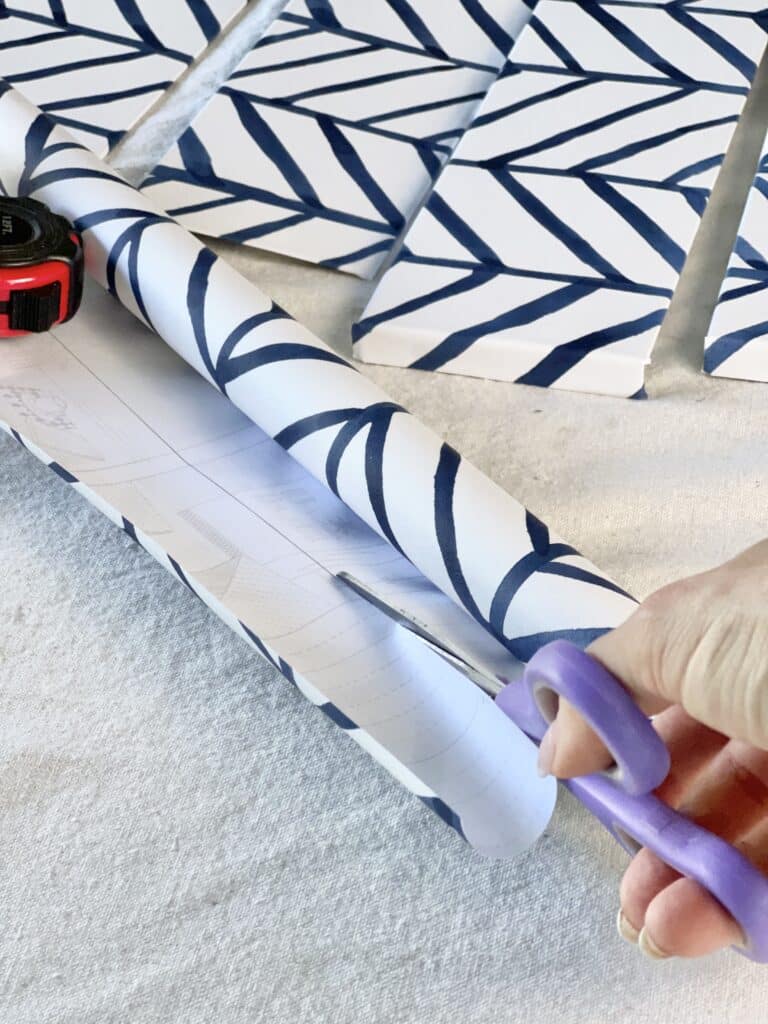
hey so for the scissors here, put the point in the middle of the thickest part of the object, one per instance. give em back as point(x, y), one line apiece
point(621, 797)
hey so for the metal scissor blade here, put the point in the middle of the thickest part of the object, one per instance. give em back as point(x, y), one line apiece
point(448, 652)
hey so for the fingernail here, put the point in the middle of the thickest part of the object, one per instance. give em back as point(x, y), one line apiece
point(649, 947)
point(547, 752)
point(627, 931)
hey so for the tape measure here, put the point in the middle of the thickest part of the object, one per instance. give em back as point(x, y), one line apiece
point(41, 268)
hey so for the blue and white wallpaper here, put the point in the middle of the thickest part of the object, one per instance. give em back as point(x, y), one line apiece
point(550, 249)
point(328, 138)
point(98, 65)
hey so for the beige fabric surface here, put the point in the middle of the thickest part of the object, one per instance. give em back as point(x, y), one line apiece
point(185, 840)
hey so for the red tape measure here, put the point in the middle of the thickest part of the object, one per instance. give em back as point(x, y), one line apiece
point(41, 268)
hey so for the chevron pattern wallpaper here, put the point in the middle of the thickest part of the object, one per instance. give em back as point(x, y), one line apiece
point(327, 139)
point(98, 66)
point(552, 244)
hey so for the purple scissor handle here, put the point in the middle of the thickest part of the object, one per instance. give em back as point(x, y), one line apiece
point(623, 800)
point(621, 797)
point(641, 760)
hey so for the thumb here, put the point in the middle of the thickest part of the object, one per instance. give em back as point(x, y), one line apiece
point(570, 746)
point(702, 643)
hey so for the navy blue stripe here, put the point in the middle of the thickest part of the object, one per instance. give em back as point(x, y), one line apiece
point(306, 31)
point(729, 344)
point(544, 552)
point(374, 472)
point(627, 78)
point(228, 367)
point(194, 155)
point(728, 9)
point(111, 138)
point(391, 44)
point(304, 62)
point(286, 670)
point(130, 239)
point(458, 342)
point(538, 533)
point(553, 43)
point(94, 33)
point(461, 231)
point(446, 263)
point(445, 527)
point(426, 150)
point(222, 373)
point(279, 663)
point(433, 158)
point(587, 127)
point(323, 13)
point(529, 103)
point(645, 145)
point(500, 38)
point(465, 284)
point(564, 357)
point(575, 572)
point(91, 220)
point(274, 150)
point(182, 575)
point(205, 18)
point(752, 256)
point(417, 27)
point(57, 10)
point(423, 108)
point(258, 643)
point(348, 259)
point(130, 529)
point(731, 54)
point(444, 812)
point(693, 169)
point(207, 204)
point(197, 291)
point(757, 277)
point(60, 471)
point(337, 716)
point(39, 37)
point(365, 83)
point(241, 192)
point(524, 647)
point(280, 352)
point(34, 149)
point(639, 221)
point(744, 249)
point(696, 198)
point(353, 165)
point(295, 432)
point(101, 98)
point(133, 15)
point(558, 228)
point(634, 43)
point(47, 72)
point(136, 236)
point(348, 433)
point(271, 227)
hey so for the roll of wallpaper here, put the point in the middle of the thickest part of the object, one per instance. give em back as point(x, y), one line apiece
point(212, 482)
point(461, 530)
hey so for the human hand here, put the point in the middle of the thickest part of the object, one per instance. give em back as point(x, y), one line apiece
point(695, 655)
